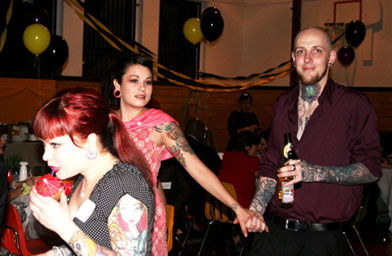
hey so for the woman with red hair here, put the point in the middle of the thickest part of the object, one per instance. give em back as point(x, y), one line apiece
point(82, 136)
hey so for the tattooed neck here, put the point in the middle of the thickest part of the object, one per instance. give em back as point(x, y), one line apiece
point(310, 93)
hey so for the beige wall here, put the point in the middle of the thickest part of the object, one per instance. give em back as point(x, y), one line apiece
point(257, 36)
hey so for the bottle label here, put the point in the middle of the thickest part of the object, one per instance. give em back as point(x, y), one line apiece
point(287, 193)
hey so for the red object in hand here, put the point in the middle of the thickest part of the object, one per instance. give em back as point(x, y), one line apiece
point(48, 185)
point(9, 177)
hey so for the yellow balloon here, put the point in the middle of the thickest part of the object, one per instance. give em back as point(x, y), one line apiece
point(36, 38)
point(192, 30)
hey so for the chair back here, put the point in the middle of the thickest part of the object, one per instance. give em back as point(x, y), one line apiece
point(169, 224)
point(216, 210)
point(12, 233)
point(13, 236)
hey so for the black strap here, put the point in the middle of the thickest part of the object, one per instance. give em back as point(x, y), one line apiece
point(296, 225)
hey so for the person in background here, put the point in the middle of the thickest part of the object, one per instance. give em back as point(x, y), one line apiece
point(244, 119)
point(3, 180)
point(263, 136)
point(196, 135)
point(187, 195)
point(240, 165)
point(334, 132)
point(158, 136)
point(111, 207)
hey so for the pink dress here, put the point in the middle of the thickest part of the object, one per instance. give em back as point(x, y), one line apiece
point(140, 130)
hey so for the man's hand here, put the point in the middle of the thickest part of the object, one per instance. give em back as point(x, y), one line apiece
point(292, 168)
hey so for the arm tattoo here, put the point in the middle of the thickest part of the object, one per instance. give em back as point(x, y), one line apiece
point(82, 244)
point(234, 206)
point(352, 174)
point(266, 188)
point(180, 144)
point(128, 227)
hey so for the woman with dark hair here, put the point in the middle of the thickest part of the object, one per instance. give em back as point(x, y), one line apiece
point(83, 136)
point(158, 136)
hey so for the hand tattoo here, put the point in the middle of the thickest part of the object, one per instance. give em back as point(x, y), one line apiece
point(265, 189)
point(180, 144)
point(353, 174)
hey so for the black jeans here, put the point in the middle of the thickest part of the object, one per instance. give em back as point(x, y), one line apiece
point(279, 241)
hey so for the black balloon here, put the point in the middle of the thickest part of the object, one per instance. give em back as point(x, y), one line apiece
point(210, 9)
point(355, 33)
point(56, 54)
point(346, 55)
point(211, 24)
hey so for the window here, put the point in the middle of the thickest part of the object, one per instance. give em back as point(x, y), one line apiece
point(175, 52)
point(119, 17)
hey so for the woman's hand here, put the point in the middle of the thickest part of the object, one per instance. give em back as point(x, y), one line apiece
point(250, 221)
point(50, 213)
point(256, 223)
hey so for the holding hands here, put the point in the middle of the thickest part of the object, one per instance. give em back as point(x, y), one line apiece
point(251, 221)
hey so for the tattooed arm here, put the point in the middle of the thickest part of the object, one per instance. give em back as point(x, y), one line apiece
point(175, 142)
point(352, 174)
point(265, 189)
point(128, 230)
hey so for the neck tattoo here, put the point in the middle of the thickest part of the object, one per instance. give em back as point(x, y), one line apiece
point(310, 93)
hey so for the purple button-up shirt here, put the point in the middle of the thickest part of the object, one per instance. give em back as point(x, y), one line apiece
point(341, 131)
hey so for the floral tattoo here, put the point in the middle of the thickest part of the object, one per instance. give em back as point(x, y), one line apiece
point(180, 144)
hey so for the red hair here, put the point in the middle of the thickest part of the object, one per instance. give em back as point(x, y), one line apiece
point(78, 112)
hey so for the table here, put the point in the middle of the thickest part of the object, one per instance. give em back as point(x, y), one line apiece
point(30, 151)
point(385, 185)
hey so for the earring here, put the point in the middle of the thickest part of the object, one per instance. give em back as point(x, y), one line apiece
point(91, 154)
point(117, 93)
point(330, 64)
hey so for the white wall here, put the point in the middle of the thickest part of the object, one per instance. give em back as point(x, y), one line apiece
point(257, 36)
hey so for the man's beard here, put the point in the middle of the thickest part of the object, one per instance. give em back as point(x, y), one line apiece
point(313, 80)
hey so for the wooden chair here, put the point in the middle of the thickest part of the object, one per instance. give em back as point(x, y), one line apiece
point(169, 224)
point(215, 211)
point(13, 236)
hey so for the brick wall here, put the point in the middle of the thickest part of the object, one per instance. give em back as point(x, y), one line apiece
point(215, 108)
point(212, 108)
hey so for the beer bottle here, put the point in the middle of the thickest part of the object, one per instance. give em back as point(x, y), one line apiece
point(286, 194)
